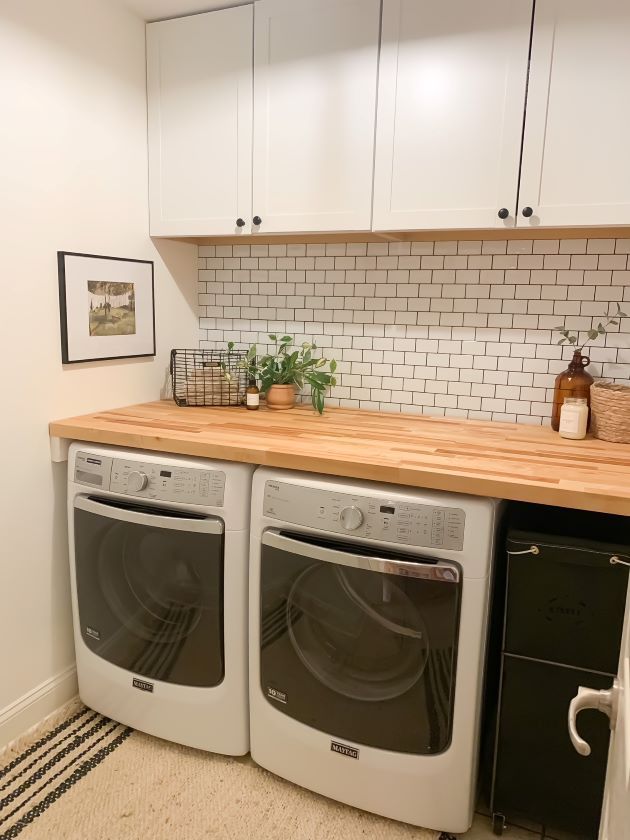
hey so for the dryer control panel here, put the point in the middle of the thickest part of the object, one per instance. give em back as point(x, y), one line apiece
point(371, 517)
point(150, 480)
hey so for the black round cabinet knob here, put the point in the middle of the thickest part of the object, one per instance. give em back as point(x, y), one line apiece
point(527, 212)
point(503, 213)
point(240, 223)
point(257, 220)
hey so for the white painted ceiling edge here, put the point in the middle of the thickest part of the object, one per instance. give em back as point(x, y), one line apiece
point(151, 10)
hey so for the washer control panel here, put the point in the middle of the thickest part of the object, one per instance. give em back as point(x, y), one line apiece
point(148, 480)
point(372, 517)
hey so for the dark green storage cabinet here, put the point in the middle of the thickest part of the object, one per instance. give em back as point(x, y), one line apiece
point(564, 610)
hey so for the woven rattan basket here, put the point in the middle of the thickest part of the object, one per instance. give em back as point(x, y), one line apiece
point(610, 411)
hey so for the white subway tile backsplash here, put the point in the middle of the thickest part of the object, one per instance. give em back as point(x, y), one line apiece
point(447, 328)
point(530, 261)
point(584, 261)
point(504, 261)
point(520, 246)
point(493, 247)
point(421, 248)
point(600, 246)
point(573, 246)
point(445, 247)
point(545, 246)
point(613, 261)
point(557, 261)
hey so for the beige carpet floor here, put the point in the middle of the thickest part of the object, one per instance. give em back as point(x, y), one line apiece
point(115, 784)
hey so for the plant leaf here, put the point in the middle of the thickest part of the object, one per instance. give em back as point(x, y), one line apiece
point(592, 334)
point(573, 339)
point(273, 337)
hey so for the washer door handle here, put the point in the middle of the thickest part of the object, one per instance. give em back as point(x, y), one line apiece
point(420, 569)
point(159, 519)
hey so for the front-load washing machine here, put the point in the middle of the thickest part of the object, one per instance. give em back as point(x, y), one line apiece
point(159, 559)
point(368, 617)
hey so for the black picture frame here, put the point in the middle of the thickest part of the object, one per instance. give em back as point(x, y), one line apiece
point(69, 274)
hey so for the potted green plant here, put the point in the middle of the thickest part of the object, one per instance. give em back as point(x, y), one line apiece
point(287, 369)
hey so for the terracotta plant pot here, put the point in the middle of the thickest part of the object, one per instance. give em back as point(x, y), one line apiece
point(281, 397)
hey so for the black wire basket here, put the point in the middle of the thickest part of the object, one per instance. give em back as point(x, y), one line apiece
point(208, 377)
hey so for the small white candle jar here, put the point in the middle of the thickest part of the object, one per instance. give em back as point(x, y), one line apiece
point(573, 418)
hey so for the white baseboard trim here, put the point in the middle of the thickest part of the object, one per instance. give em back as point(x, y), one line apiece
point(30, 709)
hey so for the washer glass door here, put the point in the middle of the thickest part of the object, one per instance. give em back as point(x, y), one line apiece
point(357, 645)
point(150, 589)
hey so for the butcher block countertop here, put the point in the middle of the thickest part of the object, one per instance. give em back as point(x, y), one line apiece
point(504, 460)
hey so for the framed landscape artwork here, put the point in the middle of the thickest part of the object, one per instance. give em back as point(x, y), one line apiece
point(106, 307)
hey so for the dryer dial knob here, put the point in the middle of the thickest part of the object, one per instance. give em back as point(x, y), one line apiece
point(351, 518)
point(137, 481)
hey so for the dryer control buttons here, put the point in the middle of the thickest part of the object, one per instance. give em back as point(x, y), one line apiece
point(394, 519)
point(351, 517)
point(137, 481)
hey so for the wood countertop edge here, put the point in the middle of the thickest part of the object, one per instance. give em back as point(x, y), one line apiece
point(418, 476)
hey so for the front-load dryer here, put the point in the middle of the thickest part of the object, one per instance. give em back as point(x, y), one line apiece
point(159, 560)
point(368, 617)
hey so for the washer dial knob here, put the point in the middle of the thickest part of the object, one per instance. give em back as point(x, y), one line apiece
point(137, 481)
point(351, 517)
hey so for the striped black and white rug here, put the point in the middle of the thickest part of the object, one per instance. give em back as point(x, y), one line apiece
point(81, 776)
point(46, 769)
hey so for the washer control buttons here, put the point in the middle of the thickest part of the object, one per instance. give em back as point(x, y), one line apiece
point(137, 481)
point(351, 517)
point(188, 485)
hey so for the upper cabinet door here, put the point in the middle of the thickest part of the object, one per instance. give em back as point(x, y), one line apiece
point(199, 76)
point(576, 163)
point(452, 83)
point(315, 70)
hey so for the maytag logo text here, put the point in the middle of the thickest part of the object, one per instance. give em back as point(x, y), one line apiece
point(344, 749)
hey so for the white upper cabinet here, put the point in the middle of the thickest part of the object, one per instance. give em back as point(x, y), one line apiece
point(576, 160)
point(199, 77)
point(451, 95)
point(263, 118)
point(315, 71)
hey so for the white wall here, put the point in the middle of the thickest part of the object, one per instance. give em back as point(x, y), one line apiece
point(73, 176)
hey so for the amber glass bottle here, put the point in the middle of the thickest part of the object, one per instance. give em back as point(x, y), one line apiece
point(252, 396)
point(572, 382)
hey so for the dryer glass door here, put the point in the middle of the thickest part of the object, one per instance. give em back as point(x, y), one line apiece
point(150, 589)
point(359, 645)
